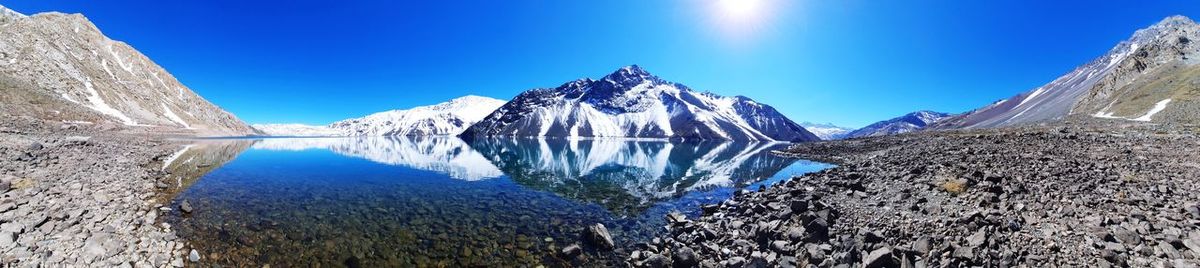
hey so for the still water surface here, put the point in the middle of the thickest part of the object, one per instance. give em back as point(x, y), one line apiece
point(442, 201)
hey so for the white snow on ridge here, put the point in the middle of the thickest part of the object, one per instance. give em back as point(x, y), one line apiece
point(443, 119)
point(447, 118)
point(1158, 107)
point(634, 103)
point(98, 104)
point(171, 115)
point(297, 130)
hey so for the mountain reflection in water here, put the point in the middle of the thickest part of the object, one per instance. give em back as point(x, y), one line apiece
point(443, 201)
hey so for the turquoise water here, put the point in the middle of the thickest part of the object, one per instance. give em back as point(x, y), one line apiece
point(446, 202)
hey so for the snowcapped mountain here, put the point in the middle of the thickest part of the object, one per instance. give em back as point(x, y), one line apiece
point(907, 123)
point(297, 130)
point(1151, 72)
point(60, 68)
point(447, 118)
point(633, 103)
point(826, 131)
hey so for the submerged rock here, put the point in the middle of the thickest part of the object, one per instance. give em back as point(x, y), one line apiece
point(571, 251)
point(185, 206)
point(597, 235)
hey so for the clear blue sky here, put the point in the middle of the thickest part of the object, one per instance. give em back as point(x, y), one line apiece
point(849, 62)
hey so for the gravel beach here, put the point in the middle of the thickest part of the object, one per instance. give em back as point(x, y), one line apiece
point(76, 197)
point(1076, 196)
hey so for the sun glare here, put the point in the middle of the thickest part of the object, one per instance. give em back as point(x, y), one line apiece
point(740, 9)
point(741, 18)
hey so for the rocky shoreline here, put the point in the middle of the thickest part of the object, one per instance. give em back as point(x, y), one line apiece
point(1075, 196)
point(84, 198)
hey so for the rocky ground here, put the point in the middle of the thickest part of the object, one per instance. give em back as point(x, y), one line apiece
point(72, 197)
point(1073, 196)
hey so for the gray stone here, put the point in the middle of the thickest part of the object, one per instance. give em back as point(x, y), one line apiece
point(684, 257)
point(1126, 236)
point(656, 261)
point(1193, 209)
point(597, 235)
point(7, 240)
point(571, 251)
point(881, 257)
point(194, 256)
point(185, 206)
point(977, 239)
point(922, 245)
point(780, 246)
point(964, 253)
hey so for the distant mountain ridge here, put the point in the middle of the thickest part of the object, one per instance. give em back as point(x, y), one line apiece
point(906, 123)
point(443, 119)
point(631, 102)
point(1152, 76)
point(60, 67)
point(826, 131)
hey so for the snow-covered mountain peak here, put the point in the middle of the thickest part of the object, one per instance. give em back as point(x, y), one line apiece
point(631, 74)
point(446, 118)
point(926, 116)
point(827, 131)
point(1175, 21)
point(906, 123)
point(631, 102)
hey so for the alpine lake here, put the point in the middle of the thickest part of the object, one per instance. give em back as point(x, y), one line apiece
point(446, 202)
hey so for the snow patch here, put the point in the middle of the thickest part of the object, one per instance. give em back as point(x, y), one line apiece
point(1158, 107)
point(1035, 93)
point(171, 115)
point(120, 61)
point(98, 104)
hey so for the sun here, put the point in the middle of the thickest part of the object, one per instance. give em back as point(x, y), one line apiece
point(742, 18)
point(740, 9)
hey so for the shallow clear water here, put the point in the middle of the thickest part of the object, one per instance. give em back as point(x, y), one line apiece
point(446, 202)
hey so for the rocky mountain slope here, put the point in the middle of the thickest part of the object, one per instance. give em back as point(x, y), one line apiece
point(826, 131)
point(447, 118)
point(1152, 76)
point(60, 68)
point(906, 123)
point(634, 103)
